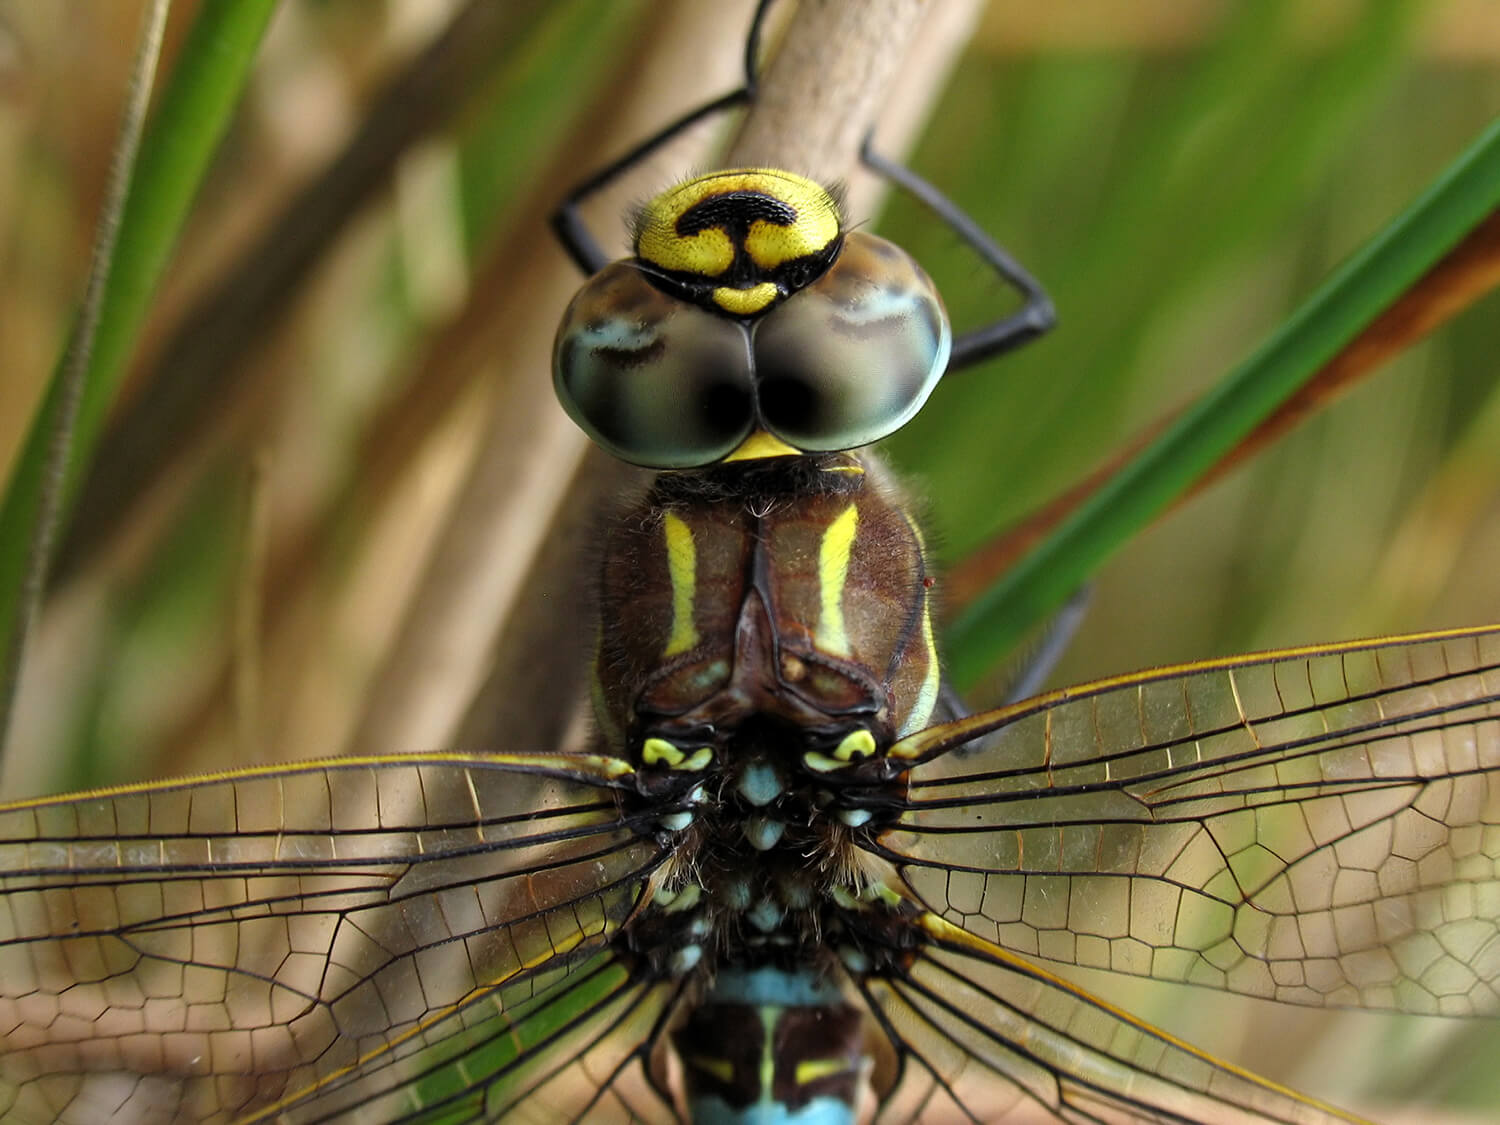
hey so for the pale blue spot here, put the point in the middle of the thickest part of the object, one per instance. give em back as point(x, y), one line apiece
point(759, 783)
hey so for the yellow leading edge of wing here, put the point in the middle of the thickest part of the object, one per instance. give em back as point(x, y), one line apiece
point(925, 743)
point(589, 767)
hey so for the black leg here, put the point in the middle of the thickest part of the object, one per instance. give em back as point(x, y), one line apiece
point(1030, 669)
point(568, 223)
point(1042, 655)
point(1036, 314)
point(1034, 318)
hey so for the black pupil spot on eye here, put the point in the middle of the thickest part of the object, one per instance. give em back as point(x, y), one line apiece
point(723, 408)
point(790, 402)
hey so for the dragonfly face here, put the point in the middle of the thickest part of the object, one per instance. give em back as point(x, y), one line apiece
point(784, 885)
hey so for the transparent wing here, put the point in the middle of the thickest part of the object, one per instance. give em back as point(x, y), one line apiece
point(312, 943)
point(980, 1035)
point(1319, 826)
point(574, 1051)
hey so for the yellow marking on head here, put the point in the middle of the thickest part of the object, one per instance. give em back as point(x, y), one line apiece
point(745, 302)
point(761, 444)
point(833, 574)
point(709, 252)
point(811, 1070)
point(721, 1069)
point(772, 244)
point(682, 569)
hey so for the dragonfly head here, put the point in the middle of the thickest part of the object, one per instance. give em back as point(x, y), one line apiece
point(749, 323)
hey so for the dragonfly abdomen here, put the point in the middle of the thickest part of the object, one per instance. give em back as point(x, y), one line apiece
point(775, 1047)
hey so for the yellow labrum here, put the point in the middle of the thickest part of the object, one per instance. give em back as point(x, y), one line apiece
point(783, 217)
point(746, 302)
point(760, 445)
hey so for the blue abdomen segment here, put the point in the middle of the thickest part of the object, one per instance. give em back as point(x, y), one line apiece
point(769, 1046)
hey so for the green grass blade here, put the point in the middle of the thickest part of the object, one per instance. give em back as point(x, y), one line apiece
point(190, 119)
point(1140, 139)
point(1356, 293)
point(36, 549)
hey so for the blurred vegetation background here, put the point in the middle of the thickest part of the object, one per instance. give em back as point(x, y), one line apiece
point(366, 285)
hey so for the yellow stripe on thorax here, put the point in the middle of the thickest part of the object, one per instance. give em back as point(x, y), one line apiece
point(833, 575)
point(927, 695)
point(682, 569)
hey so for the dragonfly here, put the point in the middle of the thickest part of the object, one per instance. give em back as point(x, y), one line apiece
point(790, 878)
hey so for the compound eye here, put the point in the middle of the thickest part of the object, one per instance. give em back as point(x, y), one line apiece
point(654, 380)
point(849, 359)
